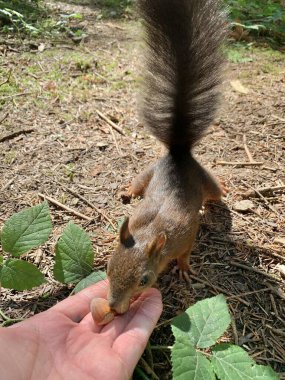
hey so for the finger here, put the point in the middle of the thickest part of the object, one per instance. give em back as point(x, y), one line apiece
point(132, 342)
point(113, 329)
point(77, 306)
point(88, 323)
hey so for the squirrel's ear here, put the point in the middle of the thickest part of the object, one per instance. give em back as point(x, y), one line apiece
point(156, 245)
point(125, 236)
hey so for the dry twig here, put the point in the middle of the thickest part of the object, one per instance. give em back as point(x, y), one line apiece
point(251, 269)
point(207, 283)
point(57, 203)
point(113, 125)
point(264, 191)
point(249, 155)
point(91, 205)
point(11, 135)
point(4, 117)
point(239, 163)
point(7, 79)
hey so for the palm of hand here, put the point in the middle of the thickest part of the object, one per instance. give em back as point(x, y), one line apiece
point(65, 343)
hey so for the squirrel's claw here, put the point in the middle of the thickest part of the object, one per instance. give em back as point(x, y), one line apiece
point(224, 188)
point(183, 271)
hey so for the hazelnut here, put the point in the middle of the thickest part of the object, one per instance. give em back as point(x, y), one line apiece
point(101, 312)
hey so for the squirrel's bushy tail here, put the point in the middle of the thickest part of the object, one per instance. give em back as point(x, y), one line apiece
point(183, 64)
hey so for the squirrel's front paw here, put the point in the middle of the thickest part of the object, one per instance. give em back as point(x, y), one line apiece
point(126, 195)
point(225, 190)
point(183, 268)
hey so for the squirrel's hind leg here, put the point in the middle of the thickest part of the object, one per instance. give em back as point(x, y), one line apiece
point(139, 184)
point(213, 190)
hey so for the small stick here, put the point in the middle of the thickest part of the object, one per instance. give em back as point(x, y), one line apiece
point(148, 369)
point(269, 168)
point(166, 322)
point(278, 117)
point(261, 196)
point(8, 184)
point(219, 289)
point(15, 95)
point(234, 328)
point(238, 163)
point(279, 292)
point(91, 205)
point(113, 125)
point(251, 292)
point(4, 117)
point(247, 150)
point(274, 305)
point(15, 134)
point(251, 269)
point(7, 79)
point(276, 331)
point(55, 202)
point(116, 142)
point(114, 26)
point(263, 191)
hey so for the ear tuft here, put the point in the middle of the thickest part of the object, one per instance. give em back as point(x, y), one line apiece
point(125, 236)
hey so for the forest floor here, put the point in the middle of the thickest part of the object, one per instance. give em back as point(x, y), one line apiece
point(52, 140)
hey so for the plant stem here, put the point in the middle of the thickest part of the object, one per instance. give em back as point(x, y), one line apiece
point(161, 347)
point(7, 320)
point(141, 373)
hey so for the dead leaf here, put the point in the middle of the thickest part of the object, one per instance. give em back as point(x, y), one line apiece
point(96, 170)
point(239, 87)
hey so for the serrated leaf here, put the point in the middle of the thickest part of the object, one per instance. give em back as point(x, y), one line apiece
point(231, 362)
point(74, 255)
point(262, 372)
point(204, 322)
point(92, 279)
point(26, 229)
point(188, 364)
point(20, 275)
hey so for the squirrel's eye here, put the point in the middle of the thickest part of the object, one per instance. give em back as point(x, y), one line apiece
point(144, 280)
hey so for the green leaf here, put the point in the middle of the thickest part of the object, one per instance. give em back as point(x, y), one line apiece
point(26, 229)
point(261, 372)
point(20, 275)
point(188, 364)
point(92, 279)
point(203, 322)
point(74, 255)
point(231, 362)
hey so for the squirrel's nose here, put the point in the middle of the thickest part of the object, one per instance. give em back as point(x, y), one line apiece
point(118, 306)
point(113, 304)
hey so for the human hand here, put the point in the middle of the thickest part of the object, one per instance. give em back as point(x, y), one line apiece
point(65, 343)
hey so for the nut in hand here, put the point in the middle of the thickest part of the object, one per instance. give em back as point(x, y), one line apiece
point(101, 312)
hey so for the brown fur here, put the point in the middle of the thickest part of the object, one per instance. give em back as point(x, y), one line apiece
point(180, 96)
point(166, 220)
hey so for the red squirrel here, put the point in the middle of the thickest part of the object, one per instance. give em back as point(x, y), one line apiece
point(178, 103)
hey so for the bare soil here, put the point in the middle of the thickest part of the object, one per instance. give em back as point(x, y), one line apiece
point(52, 140)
